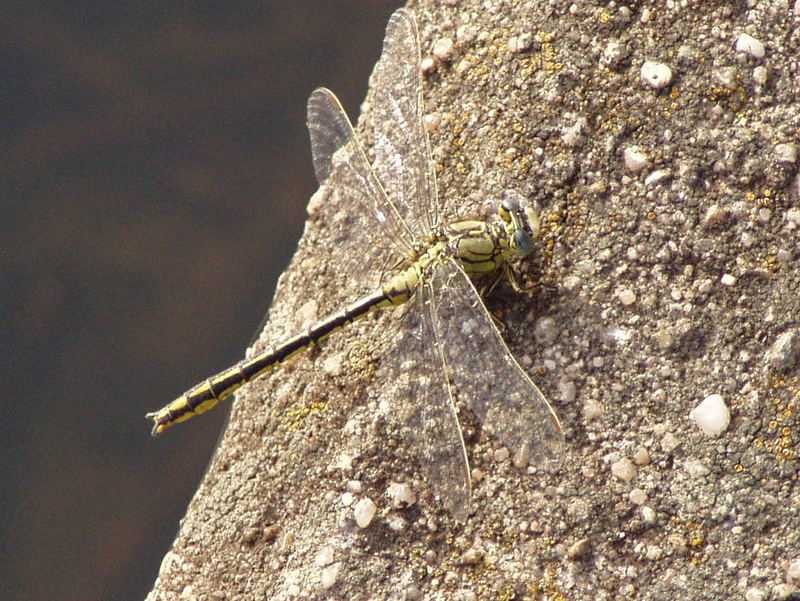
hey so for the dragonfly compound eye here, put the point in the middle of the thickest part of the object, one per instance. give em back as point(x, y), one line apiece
point(522, 243)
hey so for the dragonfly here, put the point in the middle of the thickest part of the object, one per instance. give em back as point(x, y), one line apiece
point(446, 347)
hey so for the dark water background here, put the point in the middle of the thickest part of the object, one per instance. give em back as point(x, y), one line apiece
point(154, 172)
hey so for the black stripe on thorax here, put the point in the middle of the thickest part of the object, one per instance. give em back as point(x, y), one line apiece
point(487, 258)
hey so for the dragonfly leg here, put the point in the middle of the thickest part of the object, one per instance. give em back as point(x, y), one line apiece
point(513, 278)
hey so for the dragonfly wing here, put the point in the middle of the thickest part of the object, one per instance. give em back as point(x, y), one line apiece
point(341, 165)
point(401, 146)
point(397, 207)
point(487, 376)
point(424, 407)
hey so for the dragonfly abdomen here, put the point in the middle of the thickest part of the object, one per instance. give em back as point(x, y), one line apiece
point(477, 248)
point(207, 394)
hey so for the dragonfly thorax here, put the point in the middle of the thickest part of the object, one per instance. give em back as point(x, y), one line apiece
point(480, 247)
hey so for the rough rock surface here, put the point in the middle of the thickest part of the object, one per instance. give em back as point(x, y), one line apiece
point(669, 270)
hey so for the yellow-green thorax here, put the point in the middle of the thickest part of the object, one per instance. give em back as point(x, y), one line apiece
point(481, 248)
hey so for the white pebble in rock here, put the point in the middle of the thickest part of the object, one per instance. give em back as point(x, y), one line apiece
point(333, 365)
point(402, 495)
point(637, 496)
point(502, 454)
point(635, 159)
point(613, 54)
point(696, 468)
point(785, 351)
point(324, 557)
point(657, 176)
point(364, 511)
point(624, 469)
point(786, 153)
point(784, 592)
point(567, 391)
point(545, 331)
point(396, 522)
point(793, 571)
point(520, 43)
point(432, 121)
point(669, 442)
point(712, 415)
point(428, 65)
point(626, 296)
point(656, 75)
point(754, 594)
point(641, 457)
point(328, 576)
point(714, 216)
point(749, 45)
point(443, 49)
point(592, 409)
point(725, 76)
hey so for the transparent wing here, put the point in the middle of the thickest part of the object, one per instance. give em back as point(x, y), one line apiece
point(487, 376)
point(395, 208)
point(341, 165)
point(412, 369)
point(401, 147)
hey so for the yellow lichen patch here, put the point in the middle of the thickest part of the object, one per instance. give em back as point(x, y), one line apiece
point(298, 414)
point(360, 364)
point(689, 537)
point(765, 199)
point(547, 587)
point(771, 263)
point(489, 578)
point(562, 226)
point(781, 434)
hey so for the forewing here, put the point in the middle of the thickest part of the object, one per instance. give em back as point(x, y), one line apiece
point(401, 147)
point(365, 214)
point(341, 166)
point(487, 376)
point(423, 405)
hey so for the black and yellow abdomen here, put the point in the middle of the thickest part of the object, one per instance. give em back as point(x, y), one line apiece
point(477, 245)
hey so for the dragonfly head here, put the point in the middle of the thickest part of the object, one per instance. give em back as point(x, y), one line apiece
point(521, 222)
